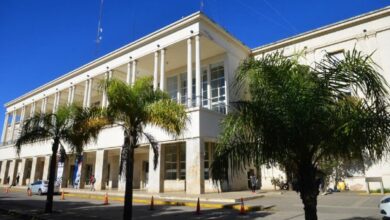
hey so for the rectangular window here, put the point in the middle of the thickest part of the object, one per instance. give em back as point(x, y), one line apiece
point(183, 88)
point(170, 162)
point(175, 161)
point(209, 150)
point(217, 82)
point(204, 87)
point(172, 87)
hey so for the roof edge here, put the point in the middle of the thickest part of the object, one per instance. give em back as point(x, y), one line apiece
point(371, 15)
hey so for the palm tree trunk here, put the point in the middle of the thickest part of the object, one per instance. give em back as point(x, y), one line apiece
point(128, 208)
point(52, 172)
point(308, 188)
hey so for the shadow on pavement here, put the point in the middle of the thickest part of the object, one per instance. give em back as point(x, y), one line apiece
point(84, 209)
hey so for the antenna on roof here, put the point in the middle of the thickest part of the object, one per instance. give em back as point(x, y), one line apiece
point(99, 35)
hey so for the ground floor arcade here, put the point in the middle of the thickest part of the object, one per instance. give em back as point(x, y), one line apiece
point(182, 166)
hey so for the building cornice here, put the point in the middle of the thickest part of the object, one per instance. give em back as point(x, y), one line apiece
point(370, 16)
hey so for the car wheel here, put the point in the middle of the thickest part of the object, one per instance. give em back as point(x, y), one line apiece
point(40, 192)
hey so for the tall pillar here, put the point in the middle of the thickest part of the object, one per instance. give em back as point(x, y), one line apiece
point(226, 71)
point(5, 126)
point(13, 122)
point(12, 171)
point(100, 169)
point(189, 73)
point(85, 98)
point(104, 96)
point(69, 95)
point(4, 164)
point(22, 116)
point(156, 177)
point(197, 71)
point(33, 169)
point(23, 172)
point(195, 166)
point(134, 72)
point(128, 74)
point(209, 86)
point(54, 103)
point(72, 94)
point(89, 96)
point(44, 104)
point(32, 110)
point(46, 167)
point(162, 70)
point(155, 71)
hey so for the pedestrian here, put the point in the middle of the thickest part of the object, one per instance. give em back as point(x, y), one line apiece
point(17, 179)
point(253, 180)
point(92, 181)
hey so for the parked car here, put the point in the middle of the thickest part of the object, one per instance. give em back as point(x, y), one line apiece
point(384, 206)
point(41, 187)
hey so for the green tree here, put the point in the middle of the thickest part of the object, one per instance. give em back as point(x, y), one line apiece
point(133, 107)
point(71, 126)
point(300, 115)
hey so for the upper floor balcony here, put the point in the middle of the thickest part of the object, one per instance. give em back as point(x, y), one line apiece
point(193, 60)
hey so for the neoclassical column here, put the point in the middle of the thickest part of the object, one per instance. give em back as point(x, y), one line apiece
point(44, 104)
point(4, 167)
point(128, 75)
point(5, 127)
point(189, 73)
point(85, 98)
point(197, 71)
point(195, 166)
point(33, 169)
point(13, 122)
point(89, 96)
point(72, 95)
point(12, 171)
point(32, 110)
point(104, 96)
point(134, 63)
point(23, 172)
point(70, 90)
point(46, 166)
point(22, 115)
point(54, 110)
point(155, 71)
point(162, 69)
point(156, 178)
point(100, 165)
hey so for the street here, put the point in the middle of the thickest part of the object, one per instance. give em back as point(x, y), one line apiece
point(285, 206)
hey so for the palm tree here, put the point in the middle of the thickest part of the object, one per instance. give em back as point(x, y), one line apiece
point(133, 107)
point(297, 116)
point(72, 126)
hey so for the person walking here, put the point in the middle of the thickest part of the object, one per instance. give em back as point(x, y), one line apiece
point(92, 181)
point(17, 179)
point(253, 180)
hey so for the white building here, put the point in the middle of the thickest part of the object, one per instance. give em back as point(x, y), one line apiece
point(192, 49)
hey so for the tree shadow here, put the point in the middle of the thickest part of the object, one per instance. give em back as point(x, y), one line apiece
point(84, 209)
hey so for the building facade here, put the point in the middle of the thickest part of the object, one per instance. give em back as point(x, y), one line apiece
point(193, 49)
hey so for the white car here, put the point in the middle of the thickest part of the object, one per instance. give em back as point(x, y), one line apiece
point(384, 206)
point(41, 187)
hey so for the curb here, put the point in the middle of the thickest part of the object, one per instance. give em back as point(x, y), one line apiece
point(234, 206)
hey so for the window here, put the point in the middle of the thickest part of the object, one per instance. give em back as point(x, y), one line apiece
point(204, 88)
point(339, 56)
point(175, 161)
point(172, 87)
point(183, 88)
point(209, 150)
point(217, 82)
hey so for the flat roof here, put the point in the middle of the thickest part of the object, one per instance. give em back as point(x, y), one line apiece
point(372, 15)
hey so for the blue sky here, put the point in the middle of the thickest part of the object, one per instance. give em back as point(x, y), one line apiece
point(41, 40)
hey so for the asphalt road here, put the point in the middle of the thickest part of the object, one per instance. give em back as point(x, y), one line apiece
point(346, 206)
